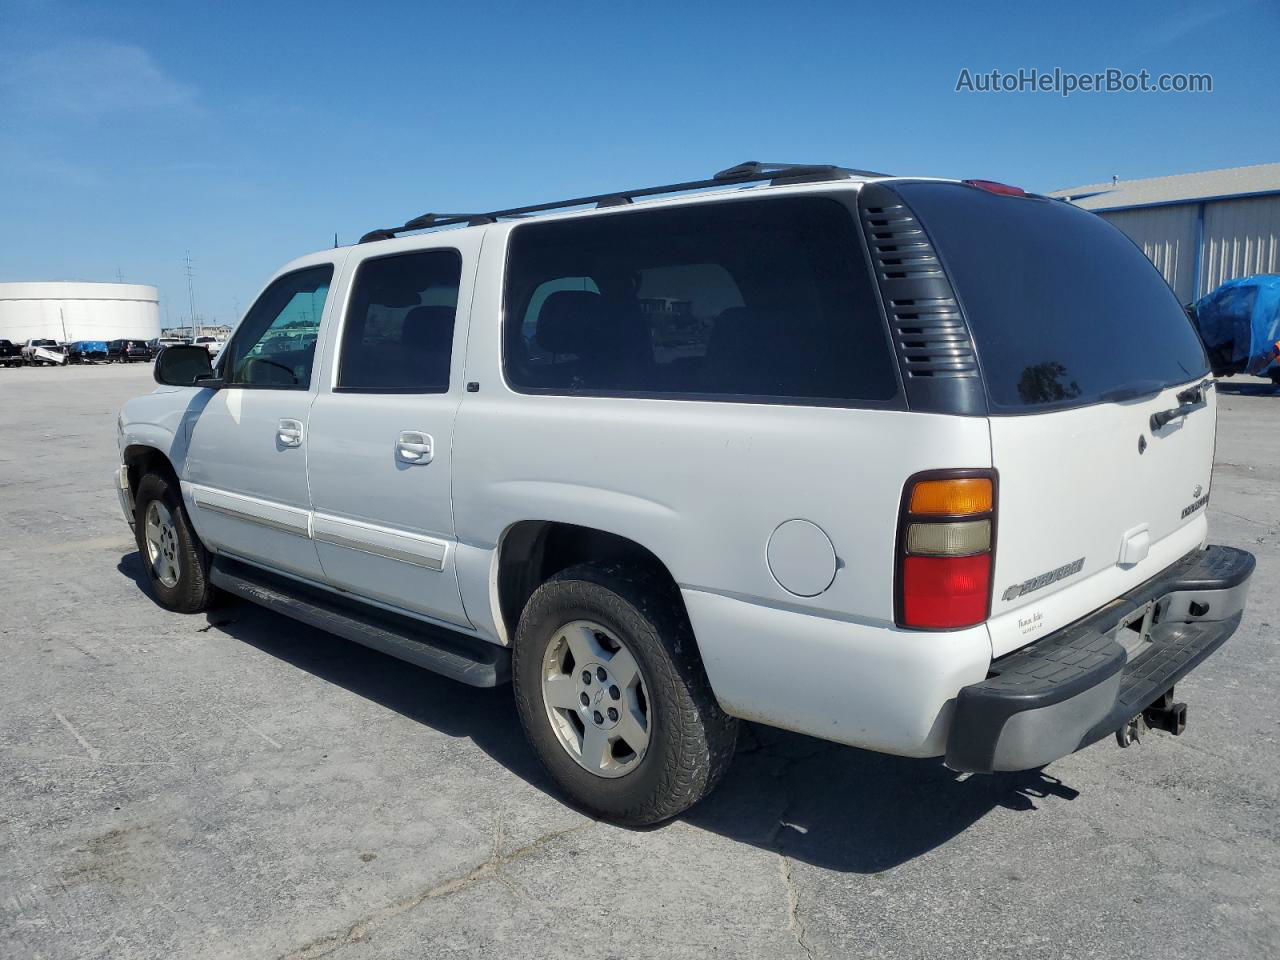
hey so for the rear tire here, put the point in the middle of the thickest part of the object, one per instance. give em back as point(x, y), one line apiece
point(666, 741)
point(175, 561)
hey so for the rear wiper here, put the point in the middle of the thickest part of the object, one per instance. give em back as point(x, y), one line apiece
point(1133, 391)
point(1189, 400)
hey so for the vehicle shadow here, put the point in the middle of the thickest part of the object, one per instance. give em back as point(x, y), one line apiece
point(131, 566)
point(822, 803)
point(854, 810)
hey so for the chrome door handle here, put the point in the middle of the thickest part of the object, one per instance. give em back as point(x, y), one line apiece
point(289, 433)
point(415, 447)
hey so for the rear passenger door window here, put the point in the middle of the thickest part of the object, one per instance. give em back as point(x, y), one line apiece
point(398, 335)
point(759, 300)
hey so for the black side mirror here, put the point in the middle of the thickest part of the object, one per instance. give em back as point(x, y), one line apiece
point(185, 366)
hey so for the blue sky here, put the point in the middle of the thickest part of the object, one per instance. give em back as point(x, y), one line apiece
point(250, 133)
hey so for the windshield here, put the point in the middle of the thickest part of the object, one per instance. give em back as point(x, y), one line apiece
point(1064, 309)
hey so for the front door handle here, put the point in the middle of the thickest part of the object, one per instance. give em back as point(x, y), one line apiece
point(289, 433)
point(415, 447)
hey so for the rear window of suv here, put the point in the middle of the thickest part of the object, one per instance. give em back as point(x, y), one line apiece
point(1064, 309)
point(749, 300)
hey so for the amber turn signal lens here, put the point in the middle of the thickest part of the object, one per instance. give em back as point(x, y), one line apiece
point(951, 498)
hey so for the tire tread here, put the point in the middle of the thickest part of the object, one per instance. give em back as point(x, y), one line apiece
point(193, 592)
point(705, 737)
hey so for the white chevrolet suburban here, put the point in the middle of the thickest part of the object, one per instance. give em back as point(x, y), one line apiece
point(915, 465)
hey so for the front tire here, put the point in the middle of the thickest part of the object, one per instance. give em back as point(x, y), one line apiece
point(175, 561)
point(613, 697)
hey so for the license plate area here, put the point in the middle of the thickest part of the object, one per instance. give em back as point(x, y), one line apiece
point(1134, 632)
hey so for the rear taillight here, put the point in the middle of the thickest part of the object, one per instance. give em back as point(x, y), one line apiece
point(946, 539)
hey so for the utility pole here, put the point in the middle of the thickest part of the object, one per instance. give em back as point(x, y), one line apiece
point(119, 275)
point(191, 295)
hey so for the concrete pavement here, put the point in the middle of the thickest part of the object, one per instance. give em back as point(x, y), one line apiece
point(236, 785)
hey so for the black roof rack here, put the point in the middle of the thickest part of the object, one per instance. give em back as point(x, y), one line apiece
point(750, 172)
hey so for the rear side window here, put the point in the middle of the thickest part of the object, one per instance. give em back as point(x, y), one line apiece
point(1064, 309)
point(398, 337)
point(757, 300)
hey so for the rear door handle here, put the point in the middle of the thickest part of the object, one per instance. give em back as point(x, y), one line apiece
point(415, 447)
point(289, 433)
point(1189, 401)
point(1163, 418)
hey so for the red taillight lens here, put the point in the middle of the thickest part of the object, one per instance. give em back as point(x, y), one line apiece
point(946, 537)
point(945, 592)
point(992, 186)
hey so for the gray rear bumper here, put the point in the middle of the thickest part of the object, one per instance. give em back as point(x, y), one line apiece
point(1078, 685)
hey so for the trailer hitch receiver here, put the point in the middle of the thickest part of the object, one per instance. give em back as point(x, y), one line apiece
point(1166, 715)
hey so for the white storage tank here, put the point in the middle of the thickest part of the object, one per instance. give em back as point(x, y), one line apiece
point(68, 311)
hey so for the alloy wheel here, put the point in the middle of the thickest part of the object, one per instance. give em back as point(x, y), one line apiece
point(162, 543)
point(596, 698)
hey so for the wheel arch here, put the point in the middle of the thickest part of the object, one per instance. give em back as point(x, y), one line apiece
point(140, 459)
point(530, 552)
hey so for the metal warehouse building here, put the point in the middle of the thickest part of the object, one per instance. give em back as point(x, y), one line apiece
point(1199, 229)
point(78, 311)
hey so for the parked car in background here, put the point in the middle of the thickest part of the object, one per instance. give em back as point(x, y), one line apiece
point(127, 351)
point(1240, 325)
point(159, 343)
point(42, 352)
point(10, 354)
point(922, 468)
point(213, 344)
point(86, 351)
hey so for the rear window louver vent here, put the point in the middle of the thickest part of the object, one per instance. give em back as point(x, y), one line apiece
point(930, 333)
point(932, 338)
point(899, 245)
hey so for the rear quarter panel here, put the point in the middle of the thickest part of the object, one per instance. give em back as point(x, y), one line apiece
point(704, 485)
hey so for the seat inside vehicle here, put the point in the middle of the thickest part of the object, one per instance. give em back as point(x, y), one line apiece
point(590, 344)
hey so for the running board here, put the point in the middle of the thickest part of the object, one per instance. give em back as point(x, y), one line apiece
point(462, 658)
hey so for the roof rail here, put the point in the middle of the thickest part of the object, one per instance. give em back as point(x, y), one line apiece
point(750, 172)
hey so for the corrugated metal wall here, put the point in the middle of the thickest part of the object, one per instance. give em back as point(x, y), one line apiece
point(1167, 235)
point(1241, 238)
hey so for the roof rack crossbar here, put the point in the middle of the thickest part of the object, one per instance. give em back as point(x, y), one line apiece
point(750, 172)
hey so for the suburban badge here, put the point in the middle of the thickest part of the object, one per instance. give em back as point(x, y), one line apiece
point(1036, 583)
point(1195, 504)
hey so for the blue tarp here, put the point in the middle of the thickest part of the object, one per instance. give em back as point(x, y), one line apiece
point(89, 346)
point(1240, 324)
